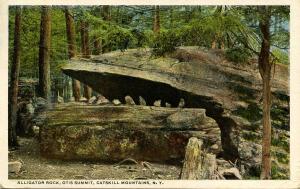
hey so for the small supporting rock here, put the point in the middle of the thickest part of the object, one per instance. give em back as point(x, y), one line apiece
point(192, 161)
point(92, 100)
point(129, 100)
point(82, 99)
point(142, 101)
point(116, 102)
point(181, 103)
point(101, 100)
point(157, 103)
point(60, 99)
point(168, 105)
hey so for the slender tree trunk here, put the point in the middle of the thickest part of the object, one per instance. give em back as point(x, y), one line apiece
point(105, 13)
point(214, 44)
point(87, 91)
point(97, 46)
point(44, 53)
point(87, 52)
point(82, 37)
point(70, 28)
point(14, 82)
point(222, 45)
point(117, 20)
point(171, 17)
point(265, 72)
point(156, 21)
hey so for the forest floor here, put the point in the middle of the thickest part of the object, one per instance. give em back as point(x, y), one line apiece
point(36, 167)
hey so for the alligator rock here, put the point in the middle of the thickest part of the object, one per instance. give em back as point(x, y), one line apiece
point(230, 93)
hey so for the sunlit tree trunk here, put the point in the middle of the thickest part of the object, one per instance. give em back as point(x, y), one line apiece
point(214, 44)
point(44, 53)
point(97, 45)
point(84, 27)
point(106, 16)
point(70, 28)
point(14, 82)
point(265, 72)
point(156, 21)
point(222, 45)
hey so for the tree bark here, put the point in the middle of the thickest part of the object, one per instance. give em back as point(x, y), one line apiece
point(156, 21)
point(70, 28)
point(214, 44)
point(87, 91)
point(14, 81)
point(222, 45)
point(265, 72)
point(106, 14)
point(44, 53)
point(97, 46)
point(171, 17)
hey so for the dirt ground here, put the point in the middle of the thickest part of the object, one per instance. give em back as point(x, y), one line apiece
point(36, 167)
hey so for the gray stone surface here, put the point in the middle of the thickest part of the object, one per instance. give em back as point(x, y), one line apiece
point(114, 133)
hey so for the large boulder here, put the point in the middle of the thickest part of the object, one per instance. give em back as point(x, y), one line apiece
point(113, 133)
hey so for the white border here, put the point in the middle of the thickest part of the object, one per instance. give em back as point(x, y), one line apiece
point(294, 181)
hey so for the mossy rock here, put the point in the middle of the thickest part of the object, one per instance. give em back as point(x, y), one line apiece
point(113, 133)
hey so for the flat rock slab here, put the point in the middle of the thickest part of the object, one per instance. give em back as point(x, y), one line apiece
point(109, 133)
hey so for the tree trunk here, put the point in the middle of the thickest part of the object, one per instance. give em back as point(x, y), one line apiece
point(156, 22)
point(70, 28)
point(84, 39)
point(44, 53)
point(106, 14)
point(222, 45)
point(14, 82)
point(265, 72)
point(214, 44)
point(97, 46)
point(87, 91)
point(171, 17)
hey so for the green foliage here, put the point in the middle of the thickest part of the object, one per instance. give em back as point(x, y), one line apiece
point(252, 113)
point(118, 38)
point(238, 54)
point(281, 57)
point(251, 136)
point(131, 27)
point(281, 142)
point(30, 40)
point(281, 157)
point(278, 172)
point(165, 42)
